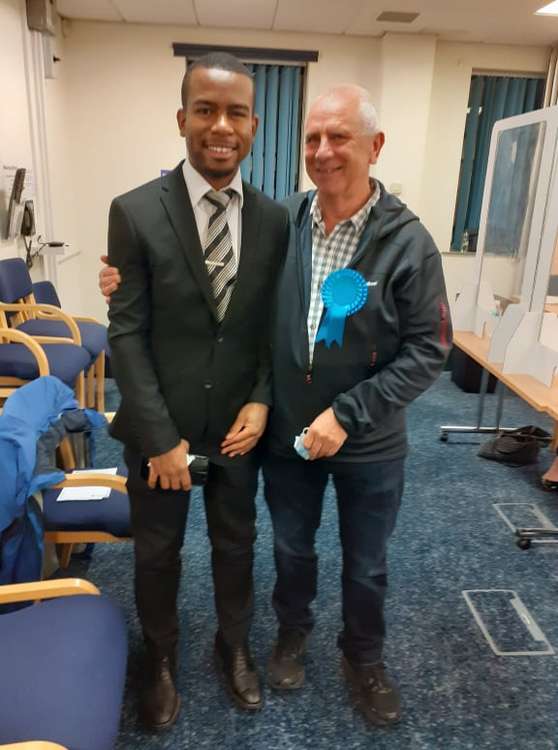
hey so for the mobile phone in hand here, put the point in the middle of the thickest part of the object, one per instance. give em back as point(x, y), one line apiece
point(198, 467)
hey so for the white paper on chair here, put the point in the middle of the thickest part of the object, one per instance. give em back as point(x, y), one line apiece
point(86, 493)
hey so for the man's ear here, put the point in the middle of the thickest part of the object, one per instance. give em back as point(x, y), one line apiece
point(181, 120)
point(377, 144)
point(255, 123)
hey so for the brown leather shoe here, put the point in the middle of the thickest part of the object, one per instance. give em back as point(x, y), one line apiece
point(159, 700)
point(241, 678)
point(285, 670)
point(375, 694)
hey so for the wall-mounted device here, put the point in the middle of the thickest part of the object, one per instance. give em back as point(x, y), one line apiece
point(28, 230)
point(41, 15)
point(15, 207)
point(28, 219)
point(54, 247)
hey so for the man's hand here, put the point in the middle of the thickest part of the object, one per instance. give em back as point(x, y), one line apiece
point(109, 279)
point(325, 436)
point(171, 469)
point(246, 430)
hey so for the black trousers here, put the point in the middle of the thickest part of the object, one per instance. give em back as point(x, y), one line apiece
point(158, 526)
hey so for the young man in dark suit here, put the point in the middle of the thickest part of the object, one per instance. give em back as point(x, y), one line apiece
point(199, 252)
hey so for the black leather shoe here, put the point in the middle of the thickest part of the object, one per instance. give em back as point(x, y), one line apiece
point(159, 700)
point(374, 692)
point(285, 670)
point(239, 672)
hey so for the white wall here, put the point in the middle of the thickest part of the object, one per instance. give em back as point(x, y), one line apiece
point(23, 130)
point(15, 141)
point(64, 181)
point(407, 74)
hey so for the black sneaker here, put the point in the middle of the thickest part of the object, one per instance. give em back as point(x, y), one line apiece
point(285, 670)
point(374, 692)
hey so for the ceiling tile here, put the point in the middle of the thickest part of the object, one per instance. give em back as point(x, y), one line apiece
point(489, 21)
point(163, 12)
point(95, 10)
point(318, 16)
point(244, 14)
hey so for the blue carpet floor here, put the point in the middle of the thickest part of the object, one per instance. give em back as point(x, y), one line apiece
point(456, 692)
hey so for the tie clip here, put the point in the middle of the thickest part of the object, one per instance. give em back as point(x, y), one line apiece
point(214, 263)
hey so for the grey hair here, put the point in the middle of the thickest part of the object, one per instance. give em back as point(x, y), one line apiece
point(369, 116)
point(368, 113)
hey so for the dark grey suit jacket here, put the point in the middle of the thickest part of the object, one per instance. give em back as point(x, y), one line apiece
point(180, 373)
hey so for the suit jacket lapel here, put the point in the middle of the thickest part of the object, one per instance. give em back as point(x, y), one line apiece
point(176, 201)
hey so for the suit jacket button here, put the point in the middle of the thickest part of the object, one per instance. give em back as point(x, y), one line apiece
point(207, 386)
point(220, 339)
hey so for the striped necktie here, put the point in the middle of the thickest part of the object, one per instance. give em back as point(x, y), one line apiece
point(218, 252)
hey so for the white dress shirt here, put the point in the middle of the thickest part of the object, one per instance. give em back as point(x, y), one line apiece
point(197, 187)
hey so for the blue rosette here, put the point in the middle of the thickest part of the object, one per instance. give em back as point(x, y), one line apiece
point(344, 293)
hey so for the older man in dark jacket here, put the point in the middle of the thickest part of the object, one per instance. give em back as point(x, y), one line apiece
point(362, 329)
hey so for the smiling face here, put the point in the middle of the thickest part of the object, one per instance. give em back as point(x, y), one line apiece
point(218, 122)
point(339, 145)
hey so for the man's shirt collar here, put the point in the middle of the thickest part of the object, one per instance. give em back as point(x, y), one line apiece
point(198, 186)
point(358, 219)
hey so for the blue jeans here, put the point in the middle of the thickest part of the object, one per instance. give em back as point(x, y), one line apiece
point(368, 499)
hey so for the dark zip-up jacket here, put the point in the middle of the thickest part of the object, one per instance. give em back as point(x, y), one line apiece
point(393, 349)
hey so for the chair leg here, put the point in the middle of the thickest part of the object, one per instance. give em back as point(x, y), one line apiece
point(66, 454)
point(90, 397)
point(100, 382)
point(80, 390)
point(64, 552)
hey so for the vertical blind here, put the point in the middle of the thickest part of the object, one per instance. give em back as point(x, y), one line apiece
point(273, 163)
point(491, 98)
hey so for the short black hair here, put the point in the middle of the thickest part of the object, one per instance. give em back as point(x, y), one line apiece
point(221, 60)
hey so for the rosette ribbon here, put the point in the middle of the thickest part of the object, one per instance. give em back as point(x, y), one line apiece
point(344, 293)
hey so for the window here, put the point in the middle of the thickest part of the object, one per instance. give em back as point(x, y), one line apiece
point(491, 98)
point(273, 163)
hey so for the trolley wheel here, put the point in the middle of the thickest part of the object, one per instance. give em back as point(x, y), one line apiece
point(524, 543)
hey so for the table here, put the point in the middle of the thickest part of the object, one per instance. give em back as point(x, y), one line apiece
point(540, 397)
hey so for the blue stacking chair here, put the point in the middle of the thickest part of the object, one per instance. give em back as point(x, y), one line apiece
point(63, 666)
point(69, 523)
point(38, 419)
point(45, 294)
point(33, 746)
point(62, 663)
point(23, 312)
point(24, 358)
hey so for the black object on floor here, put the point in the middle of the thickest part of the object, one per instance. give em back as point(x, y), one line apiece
point(511, 449)
point(466, 373)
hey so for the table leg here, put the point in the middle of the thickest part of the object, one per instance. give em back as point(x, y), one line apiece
point(445, 430)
